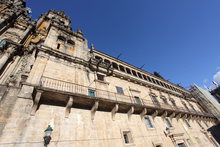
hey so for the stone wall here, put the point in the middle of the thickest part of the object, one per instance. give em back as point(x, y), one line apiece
point(23, 130)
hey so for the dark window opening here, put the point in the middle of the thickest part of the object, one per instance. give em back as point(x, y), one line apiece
point(127, 137)
point(134, 73)
point(61, 38)
point(98, 58)
point(121, 68)
point(145, 78)
point(114, 65)
point(70, 42)
point(139, 75)
point(100, 77)
point(128, 70)
point(149, 79)
point(181, 145)
point(107, 61)
point(58, 46)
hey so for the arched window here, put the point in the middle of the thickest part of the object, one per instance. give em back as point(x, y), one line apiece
point(61, 38)
point(139, 75)
point(128, 71)
point(71, 42)
point(97, 57)
point(134, 73)
point(149, 79)
point(145, 78)
point(115, 65)
point(121, 68)
point(107, 61)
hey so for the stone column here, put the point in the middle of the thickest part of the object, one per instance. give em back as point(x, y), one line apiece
point(27, 31)
point(6, 56)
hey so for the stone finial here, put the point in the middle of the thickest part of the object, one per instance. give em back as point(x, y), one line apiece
point(61, 13)
point(79, 31)
point(92, 47)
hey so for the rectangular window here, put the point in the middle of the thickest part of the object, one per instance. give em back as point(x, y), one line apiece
point(187, 123)
point(137, 100)
point(148, 122)
point(100, 77)
point(119, 90)
point(165, 100)
point(58, 46)
point(127, 137)
point(91, 92)
point(154, 99)
point(168, 123)
point(181, 145)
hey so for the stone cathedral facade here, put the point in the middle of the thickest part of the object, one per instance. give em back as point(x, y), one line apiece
point(49, 76)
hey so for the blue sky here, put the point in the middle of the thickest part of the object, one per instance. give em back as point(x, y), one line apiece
point(180, 39)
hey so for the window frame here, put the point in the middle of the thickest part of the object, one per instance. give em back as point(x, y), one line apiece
point(168, 123)
point(91, 91)
point(119, 90)
point(137, 100)
point(100, 77)
point(148, 122)
point(128, 133)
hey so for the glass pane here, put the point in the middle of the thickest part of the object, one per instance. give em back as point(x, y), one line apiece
point(137, 100)
point(91, 92)
point(119, 90)
point(169, 125)
point(148, 122)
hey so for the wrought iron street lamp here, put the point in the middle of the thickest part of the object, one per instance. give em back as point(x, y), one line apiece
point(47, 136)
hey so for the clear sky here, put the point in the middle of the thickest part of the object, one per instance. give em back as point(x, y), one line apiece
point(180, 39)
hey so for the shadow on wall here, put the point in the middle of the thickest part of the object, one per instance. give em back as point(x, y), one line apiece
point(215, 131)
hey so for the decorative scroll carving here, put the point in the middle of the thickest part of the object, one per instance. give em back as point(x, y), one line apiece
point(68, 106)
point(114, 111)
point(143, 113)
point(94, 109)
point(155, 114)
point(164, 114)
point(130, 112)
point(36, 102)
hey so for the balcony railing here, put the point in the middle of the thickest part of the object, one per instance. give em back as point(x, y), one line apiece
point(70, 87)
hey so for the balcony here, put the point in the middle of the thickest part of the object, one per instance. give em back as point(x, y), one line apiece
point(57, 92)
